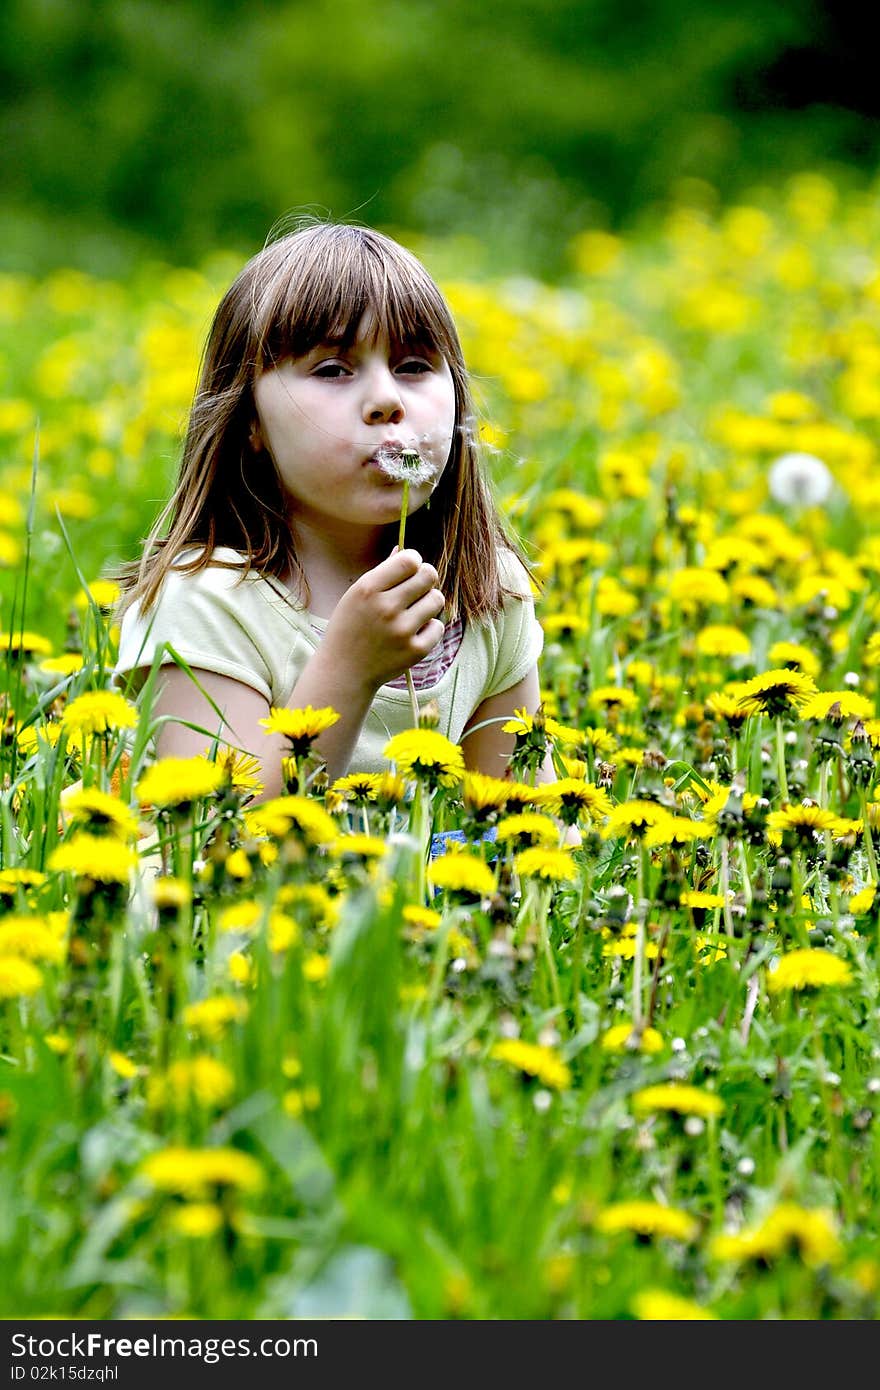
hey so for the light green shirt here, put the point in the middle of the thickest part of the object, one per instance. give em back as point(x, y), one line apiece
point(252, 630)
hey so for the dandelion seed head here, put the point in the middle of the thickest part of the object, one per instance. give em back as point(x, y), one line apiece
point(800, 480)
point(405, 465)
point(746, 1167)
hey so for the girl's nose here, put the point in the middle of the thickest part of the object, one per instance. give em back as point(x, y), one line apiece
point(382, 398)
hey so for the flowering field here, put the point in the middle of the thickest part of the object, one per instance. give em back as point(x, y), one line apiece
point(268, 1060)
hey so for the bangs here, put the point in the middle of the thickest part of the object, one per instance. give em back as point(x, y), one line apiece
point(320, 286)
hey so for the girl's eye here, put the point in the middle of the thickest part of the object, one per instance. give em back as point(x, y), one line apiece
point(330, 369)
point(415, 366)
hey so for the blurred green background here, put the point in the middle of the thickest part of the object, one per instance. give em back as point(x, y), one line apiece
point(133, 127)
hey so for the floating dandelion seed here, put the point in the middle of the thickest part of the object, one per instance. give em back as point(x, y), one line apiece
point(800, 480)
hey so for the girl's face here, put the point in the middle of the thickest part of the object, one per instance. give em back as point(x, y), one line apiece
point(325, 417)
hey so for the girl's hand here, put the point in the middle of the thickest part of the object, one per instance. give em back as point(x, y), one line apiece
point(388, 620)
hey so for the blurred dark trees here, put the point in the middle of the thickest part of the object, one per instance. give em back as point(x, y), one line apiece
point(192, 125)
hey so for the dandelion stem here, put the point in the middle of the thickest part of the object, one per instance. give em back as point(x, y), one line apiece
point(403, 506)
point(639, 955)
point(725, 885)
point(781, 775)
point(867, 835)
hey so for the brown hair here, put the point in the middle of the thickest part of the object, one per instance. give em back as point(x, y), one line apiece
point(312, 286)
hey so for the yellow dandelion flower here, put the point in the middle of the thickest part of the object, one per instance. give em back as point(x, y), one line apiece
point(64, 665)
point(170, 892)
point(774, 692)
point(526, 829)
point(18, 978)
point(103, 858)
point(283, 931)
point(31, 939)
point(30, 738)
point(551, 865)
point(617, 697)
point(481, 793)
point(196, 1220)
point(211, 1017)
point(104, 593)
point(676, 830)
point(240, 969)
point(805, 821)
point(299, 726)
point(100, 810)
point(658, 1305)
point(810, 968)
point(709, 950)
point(174, 783)
point(200, 1080)
point(122, 1065)
point(792, 654)
point(240, 770)
point(724, 705)
point(683, 1100)
point(98, 712)
point(622, 1037)
point(316, 968)
point(358, 787)
point(565, 624)
point(11, 880)
point(366, 848)
point(300, 813)
point(244, 917)
point(809, 1233)
point(697, 898)
point(186, 1172)
point(863, 901)
point(720, 640)
point(421, 919)
point(633, 819)
point(425, 753)
point(837, 705)
point(570, 794)
point(647, 1219)
point(535, 1059)
point(754, 591)
point(693, 588)
point(524, 723)
point(26, 643)
point(462, 874)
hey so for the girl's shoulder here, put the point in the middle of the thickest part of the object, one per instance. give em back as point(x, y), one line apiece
point(513, 575)
point(226, 573)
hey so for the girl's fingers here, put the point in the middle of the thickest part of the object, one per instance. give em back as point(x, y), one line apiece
point(409, 591)
point(428, 637)
point(400, 565)
point(431, 605)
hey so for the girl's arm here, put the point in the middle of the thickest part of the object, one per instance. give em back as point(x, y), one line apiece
point(488, 749)
point(243, 707)
point(383, 624)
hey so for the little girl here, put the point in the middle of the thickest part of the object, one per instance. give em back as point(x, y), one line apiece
point(273, 571)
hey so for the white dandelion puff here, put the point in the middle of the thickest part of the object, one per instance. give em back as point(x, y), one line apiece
point(800, 480)
point(405, 466)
